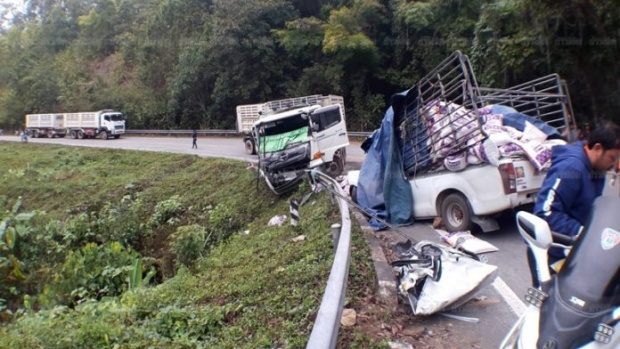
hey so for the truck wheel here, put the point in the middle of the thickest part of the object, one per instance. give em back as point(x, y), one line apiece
point(50, 134)
point(80, 134)
point(249, 147)
point(104, 134)
point(335, 168)
point(455, 212)
point(35, 134)
point(73, 134)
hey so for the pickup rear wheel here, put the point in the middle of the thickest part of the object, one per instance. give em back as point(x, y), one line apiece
point(249, 147)
point(455, 212)
point(353, 193)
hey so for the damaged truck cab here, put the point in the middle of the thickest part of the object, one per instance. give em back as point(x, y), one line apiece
point(294, 140)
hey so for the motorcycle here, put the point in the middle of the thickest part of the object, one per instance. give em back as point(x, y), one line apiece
point(579, 307)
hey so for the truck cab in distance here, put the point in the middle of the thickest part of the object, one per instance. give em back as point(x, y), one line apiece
point(101, 124)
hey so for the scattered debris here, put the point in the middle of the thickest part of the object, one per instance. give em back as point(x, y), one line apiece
point(437, 223)
point(299, 238)
point(349, 317)
point(433, 277)
point(277, 220)
point(251, 166)
point(400, 345)
point(467, 241)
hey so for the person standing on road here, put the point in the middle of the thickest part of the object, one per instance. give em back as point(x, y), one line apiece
point(576, 177)
point(194, 139)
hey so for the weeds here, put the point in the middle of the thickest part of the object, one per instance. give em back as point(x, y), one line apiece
point(90, 251)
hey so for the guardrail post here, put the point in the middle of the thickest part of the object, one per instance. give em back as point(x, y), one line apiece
point(336, 227)
point(294, 209)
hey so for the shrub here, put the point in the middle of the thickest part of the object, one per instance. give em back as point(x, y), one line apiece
point(225, 219)
point(189, 243)
point(94, 272)
point(167, 211)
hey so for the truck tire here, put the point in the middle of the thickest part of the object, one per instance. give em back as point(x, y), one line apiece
point(80, 134)
point(104, 134)
point(249, 147)
point(456, 213)
point(50, 134)
point(73, 134)
point(35, 134)
point(335, 167)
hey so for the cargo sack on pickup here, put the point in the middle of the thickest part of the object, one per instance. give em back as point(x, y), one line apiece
point(434, 277)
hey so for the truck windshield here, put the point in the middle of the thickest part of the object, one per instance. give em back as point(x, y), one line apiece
point(114, 117)
point(278, 142)
point(291, 123)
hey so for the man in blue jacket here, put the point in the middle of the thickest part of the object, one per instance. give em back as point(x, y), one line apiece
point(576, 177)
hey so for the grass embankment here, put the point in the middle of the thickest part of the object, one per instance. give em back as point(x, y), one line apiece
point(127, 249)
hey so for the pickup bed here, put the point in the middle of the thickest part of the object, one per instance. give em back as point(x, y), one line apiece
point(472, 192)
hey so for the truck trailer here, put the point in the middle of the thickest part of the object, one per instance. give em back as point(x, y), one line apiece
point(45, 125)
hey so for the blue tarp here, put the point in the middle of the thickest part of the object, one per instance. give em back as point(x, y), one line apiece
point(391, 199)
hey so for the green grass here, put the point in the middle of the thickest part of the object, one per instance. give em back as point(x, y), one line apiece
point(254, 290)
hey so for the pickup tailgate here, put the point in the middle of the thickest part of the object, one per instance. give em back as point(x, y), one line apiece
point(528, 178)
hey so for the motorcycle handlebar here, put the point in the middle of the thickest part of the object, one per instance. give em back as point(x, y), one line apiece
point(562, 239)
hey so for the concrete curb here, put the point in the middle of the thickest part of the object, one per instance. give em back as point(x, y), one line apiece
point(386, 281)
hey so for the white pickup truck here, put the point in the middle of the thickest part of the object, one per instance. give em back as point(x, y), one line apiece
point(468, 192)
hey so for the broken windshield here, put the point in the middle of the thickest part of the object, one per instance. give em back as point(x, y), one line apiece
point(281, 141)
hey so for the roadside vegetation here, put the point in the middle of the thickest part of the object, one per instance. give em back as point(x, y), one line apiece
point(126, 249)
point(181, 64)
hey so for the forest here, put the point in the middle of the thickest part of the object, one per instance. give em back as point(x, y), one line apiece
point(179, 64)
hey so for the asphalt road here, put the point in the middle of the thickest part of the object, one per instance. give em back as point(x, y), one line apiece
point(223, 147)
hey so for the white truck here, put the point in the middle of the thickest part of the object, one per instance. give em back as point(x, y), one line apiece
point(296, 139)
point(248, 114)
point(100, 124)
point(45, 125)
point(438, 162)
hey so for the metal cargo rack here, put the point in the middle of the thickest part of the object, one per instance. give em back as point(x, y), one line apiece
point(451, 83)
point(272, 107)
point(546, 98)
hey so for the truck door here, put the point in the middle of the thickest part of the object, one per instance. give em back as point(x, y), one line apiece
point(329, 130)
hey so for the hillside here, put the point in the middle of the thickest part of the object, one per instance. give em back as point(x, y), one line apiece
point(127, 249)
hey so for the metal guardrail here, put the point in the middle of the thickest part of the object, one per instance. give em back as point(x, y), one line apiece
point(183, 132)
point(325, 331)
point(213, 132)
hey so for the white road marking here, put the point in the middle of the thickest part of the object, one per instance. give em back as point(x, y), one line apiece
point(514, 302)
